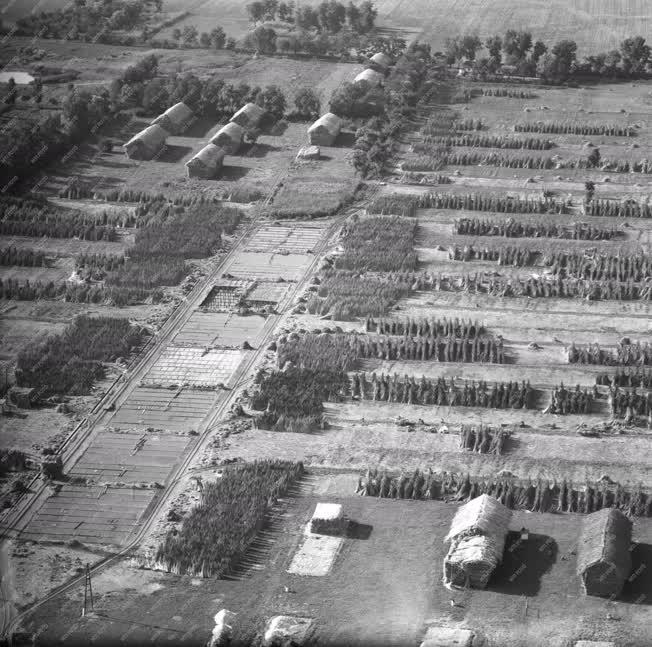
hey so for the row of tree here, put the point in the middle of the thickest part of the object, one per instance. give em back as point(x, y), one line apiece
point(575, 128)
point(626, 377)
point(484, 440)
point(625, 353)
point(21, 256)
point(515, 229)
point(630, 405)
point(538, 496)
point(617, 209)
point(425, 327)
point(564, 401)
point(504, 254)
point(483, 141)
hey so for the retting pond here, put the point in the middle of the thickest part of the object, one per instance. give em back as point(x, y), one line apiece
point(21, 78)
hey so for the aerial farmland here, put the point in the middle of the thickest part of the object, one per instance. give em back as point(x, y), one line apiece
point(326, 324)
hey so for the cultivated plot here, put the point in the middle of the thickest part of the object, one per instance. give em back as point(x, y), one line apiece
point(219, 329)
point(269, 266)
point(194, 366)
point(267, 292)
point(130, 457)
point(225, 296)
point(170, 409)
point(288, 240)
point(99, 514)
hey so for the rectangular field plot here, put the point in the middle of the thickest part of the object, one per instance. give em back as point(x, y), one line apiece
point(267, 292)
point(279, 239)
point(224, 298)
point(289, 267)
point(194, 366)
point(130, 457)
point(164, 409)
point(219, 329)
point(90, 514)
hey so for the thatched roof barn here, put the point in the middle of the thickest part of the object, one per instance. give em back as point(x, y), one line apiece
point(175, 119)
point(325, 130)
point(381, 60)
point(207, 163)
point(370, 76)
point(604, 560)
point(477, 535)
point(248, 116)
point(147, 143)
point(229, 138)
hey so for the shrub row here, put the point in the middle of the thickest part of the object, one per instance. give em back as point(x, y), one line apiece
point(485, 141)
point(574, 128)
point(540, 496)
point(625, 353)
point(514, 229)
point(438, 392)
point(507, 93)
point(425, 327)
point(216, 533)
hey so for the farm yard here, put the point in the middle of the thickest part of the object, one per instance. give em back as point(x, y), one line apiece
point(276, 387)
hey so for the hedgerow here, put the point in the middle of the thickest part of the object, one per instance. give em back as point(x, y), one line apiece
point(483, 141)
point(71, 361)
point(438, 392)
point(537, 496)
point(216, 533)
point(378, 244)
point(574, 128)
point(515, 229)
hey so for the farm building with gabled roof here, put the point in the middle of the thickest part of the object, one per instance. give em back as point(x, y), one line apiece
point(175, 119)
point(370, 76)
point(248, 116)
point(147, 143)
point(229, 138)
point(206, 163)
point(477, 535)
point(382, 60)
point(325, 130)
point(604, 560)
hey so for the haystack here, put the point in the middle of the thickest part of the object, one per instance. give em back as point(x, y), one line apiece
point(381, 60)
point(604, 561)
point(477, 535)
point(207, 163)
point(175, 119)
point(447, 637)
point(229, 138)
point(595, 643)
point(285, 630)
point(370, 76)
point(309, 153)
point(325, 130)
point(248, 116)
point(223, 629)
point(147, 143)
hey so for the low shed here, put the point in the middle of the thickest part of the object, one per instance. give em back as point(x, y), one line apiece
point(147, 143)
point(249, 116)
point(229, 138)
point(477, 540)
point(370, 76)
point(604, 560)
point(207, 163)
point(175, 119)
point(325, 130)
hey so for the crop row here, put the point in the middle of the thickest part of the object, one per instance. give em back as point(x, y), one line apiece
point(483, 440)
point(541, 496)
point(565, 401)
point(625, 353)
point(573, 128)
point(515, 229)
point(438, 392)
point(22, 257)
point(626, 377)
point(425, 327)
point(406, 205)
point(614, 209)
point(484, 141)
point(216, 533)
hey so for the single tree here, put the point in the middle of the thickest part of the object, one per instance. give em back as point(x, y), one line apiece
point(176, 33)
point(635, 55)
point(307, 103)
point(538, 51)
point(368, 15)
point(217, 38)
point(273, 100)
point(256, 11)
point(494, 45)
point(190, 34)
point(593, 158)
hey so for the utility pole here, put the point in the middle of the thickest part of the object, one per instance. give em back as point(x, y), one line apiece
point(88, 591)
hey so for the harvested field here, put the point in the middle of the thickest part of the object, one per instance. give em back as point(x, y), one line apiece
point(281, 239)
point(130, 457)
point(269, 266)
point(172, 410)
point(219, 329)
point(96, 514)
point(193, 367)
